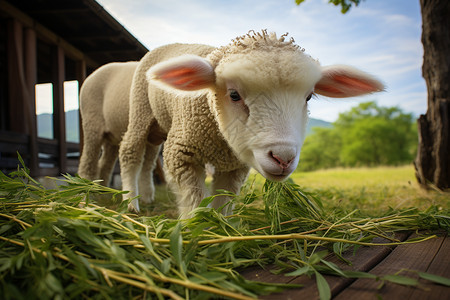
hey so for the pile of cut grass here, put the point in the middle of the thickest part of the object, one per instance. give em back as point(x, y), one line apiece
point(57, 243)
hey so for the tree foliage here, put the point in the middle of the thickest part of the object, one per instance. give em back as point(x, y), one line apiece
point(367, 135)
point(321, 149)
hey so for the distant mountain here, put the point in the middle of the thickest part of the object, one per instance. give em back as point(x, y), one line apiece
point(45, 126)
point(317, 123)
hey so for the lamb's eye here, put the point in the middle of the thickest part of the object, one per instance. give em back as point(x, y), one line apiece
point(234, 95)
point(309, 97)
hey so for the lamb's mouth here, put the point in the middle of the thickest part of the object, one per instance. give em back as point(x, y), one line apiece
point(276, 177)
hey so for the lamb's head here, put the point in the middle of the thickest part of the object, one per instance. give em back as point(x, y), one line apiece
point(260, 86)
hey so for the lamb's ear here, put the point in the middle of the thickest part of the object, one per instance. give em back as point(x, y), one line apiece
point(186, 72)
point(340, 81)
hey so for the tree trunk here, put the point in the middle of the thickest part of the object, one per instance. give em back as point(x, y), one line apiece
point(433, 157)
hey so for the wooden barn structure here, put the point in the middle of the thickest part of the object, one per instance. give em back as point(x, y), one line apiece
point(50, 41)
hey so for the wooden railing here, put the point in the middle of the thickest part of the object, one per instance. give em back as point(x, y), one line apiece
point(12, 143)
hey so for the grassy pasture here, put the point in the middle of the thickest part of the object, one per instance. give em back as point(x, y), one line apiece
point(370, 190)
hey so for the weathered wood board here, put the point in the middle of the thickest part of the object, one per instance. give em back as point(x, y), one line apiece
point(432, 256)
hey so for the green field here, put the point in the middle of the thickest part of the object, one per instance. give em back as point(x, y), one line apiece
point(371, 190)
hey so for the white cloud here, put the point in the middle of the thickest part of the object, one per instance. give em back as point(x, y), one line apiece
point(398, 20)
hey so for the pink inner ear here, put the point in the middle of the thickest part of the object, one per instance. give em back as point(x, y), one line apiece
point(173, 74)
point(344, 81)
point(328, 89)
point(184, 78)
point(186, 73)
point(190, 82)
point(354, 83)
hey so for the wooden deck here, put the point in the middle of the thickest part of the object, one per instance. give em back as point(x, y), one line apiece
point(431, 256)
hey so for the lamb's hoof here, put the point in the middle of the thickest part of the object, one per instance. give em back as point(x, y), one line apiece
point(145, 200)
point(133, 207)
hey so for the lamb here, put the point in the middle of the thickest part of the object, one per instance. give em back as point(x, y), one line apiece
point(238, 106)
point(104, 107)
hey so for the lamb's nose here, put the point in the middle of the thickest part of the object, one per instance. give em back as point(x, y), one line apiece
point(283, 158)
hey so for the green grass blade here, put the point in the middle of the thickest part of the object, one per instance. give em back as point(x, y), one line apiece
point(176, 246)
point(403, 280)
point(435, 278)
point(359, 274)
point(323, 287)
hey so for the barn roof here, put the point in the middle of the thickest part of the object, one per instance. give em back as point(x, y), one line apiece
point(87, 26)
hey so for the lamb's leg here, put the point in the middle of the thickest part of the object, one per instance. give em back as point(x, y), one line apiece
point(92, 144)
point(132, 147)
point(107, 162)
point(229, 181)
point(131, 156)
point(146, 184)
point(185, 178)
point(190, 189)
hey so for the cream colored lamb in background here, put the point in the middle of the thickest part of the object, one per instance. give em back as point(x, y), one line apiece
point(104, 108)
point(235, 107)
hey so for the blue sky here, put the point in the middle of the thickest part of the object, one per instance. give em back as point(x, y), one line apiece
point(381, 37)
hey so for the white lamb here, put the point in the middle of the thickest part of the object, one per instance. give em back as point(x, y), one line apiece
point(235, 107)
point(104, 108)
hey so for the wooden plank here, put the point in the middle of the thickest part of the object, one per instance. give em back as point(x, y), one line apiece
point(9, 164)
point(48, 146)
point(441, 263)
point(258, 273)
point(364, 259)
point(439, 266)
point(30, 102)
point(59, 119)
point(409, 256)
point(73, 147)
point(10, 144)
point(13, 137)
point(13, 148)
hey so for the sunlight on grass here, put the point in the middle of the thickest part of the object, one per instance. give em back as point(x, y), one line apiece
point(356, 177)
point(372, 190)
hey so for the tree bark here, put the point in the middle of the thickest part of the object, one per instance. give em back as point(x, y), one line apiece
point(433, 157)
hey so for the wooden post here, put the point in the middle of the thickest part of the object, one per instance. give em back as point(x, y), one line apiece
point(59, 117)
point(22, 77)
point(16, 77)
point(30, 102)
